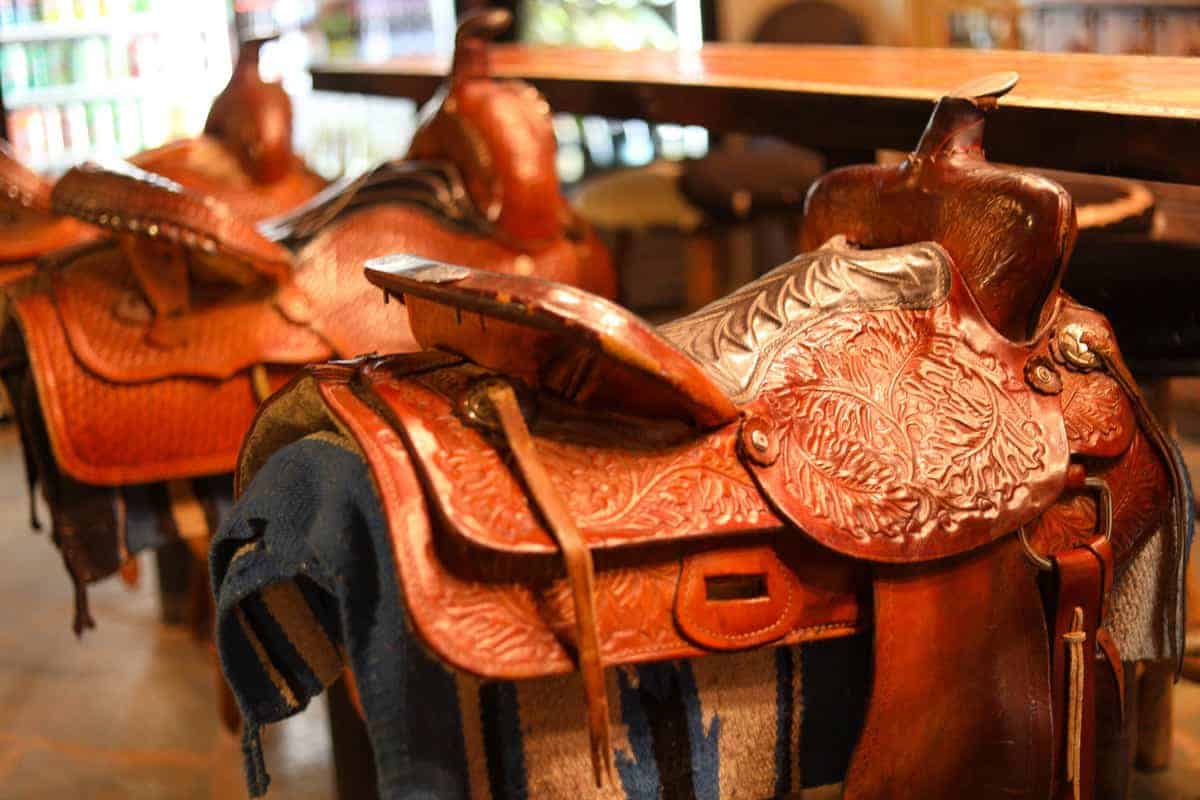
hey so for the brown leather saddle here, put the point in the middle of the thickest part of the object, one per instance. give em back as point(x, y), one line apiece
point(907, 429)
point(142, 358)
point(244, 157)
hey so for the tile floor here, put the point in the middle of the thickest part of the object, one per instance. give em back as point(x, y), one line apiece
point(128, 713)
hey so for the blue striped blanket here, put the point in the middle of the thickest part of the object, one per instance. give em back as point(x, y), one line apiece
point(305, 588)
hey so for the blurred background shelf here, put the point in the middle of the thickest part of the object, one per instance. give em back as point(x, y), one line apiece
point(185, 17)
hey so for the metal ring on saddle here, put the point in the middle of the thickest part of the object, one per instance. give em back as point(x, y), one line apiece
point(1103, 522)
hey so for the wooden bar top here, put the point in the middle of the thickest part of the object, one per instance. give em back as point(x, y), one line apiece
point(1128, 115)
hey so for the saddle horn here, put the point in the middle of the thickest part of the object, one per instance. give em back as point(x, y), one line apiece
point(471, 40)
point(254, 118)
point(499, 136)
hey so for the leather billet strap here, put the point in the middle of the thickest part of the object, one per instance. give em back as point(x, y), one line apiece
point(580, 572)
point(1082, 577)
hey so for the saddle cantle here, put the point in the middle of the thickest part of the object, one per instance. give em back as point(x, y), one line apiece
point(898, 430)
point(142, 358)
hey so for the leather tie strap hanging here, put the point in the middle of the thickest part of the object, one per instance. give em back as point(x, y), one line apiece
point(580, 572)
point(1082, 579)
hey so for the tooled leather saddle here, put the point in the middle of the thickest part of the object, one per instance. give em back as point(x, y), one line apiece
point(244, 157)
point(142, 358)
point(907, 429)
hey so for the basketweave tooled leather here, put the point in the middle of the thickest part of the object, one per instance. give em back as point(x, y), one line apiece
point(864, 429)
point(145, 355)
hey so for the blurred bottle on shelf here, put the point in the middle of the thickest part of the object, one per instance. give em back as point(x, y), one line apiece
point(102, 128)
point(57, 10)
point(52, 125)
point(75, 131)
point(15, 68)
point(24, 11)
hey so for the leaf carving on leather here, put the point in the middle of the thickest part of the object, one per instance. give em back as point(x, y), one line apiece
point(1069, 523)
point(737, 338)
point(683, 489)
point(498, 625)
point(699, 485)
point(634, 607)
point(893, 427)
point(1138, 482)
point(1098, 417)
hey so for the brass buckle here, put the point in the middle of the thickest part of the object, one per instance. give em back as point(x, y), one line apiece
point(1103, 522)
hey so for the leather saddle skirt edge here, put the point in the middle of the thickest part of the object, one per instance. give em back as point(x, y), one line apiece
point(505, 615)
point(107, 324)
point(159, 440)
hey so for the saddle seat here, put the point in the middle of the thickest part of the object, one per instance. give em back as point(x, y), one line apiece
point(835, 361)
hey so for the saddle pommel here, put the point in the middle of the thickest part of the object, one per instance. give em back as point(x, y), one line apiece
point(500, 137)
point(552, 336)
point(253, 118)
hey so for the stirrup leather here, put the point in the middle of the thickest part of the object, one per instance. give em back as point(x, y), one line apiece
point(510, 421)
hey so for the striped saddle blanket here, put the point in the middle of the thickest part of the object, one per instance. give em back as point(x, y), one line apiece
point(305, 589)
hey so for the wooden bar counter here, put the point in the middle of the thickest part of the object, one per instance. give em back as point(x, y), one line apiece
point(1137, 116)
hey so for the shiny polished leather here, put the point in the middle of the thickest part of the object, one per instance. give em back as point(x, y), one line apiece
point(852, 442)
point(147, 353)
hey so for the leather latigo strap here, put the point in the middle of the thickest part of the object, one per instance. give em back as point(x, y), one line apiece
point(581, 575)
